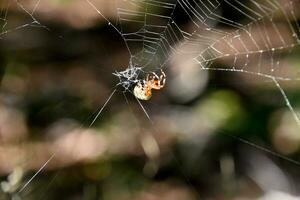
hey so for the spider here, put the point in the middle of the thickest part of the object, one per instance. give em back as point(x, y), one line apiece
point(143, 88)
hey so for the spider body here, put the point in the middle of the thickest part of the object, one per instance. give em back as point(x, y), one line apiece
point(143, 89)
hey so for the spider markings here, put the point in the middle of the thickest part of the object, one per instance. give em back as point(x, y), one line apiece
point(143, 89)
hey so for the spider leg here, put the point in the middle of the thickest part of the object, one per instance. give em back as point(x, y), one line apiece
point(163, 73)
point(158, 83)
point(156, 76)
point(162, 78)
point(163, 82)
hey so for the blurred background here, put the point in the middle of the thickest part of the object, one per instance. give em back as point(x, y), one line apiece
point(212, 134)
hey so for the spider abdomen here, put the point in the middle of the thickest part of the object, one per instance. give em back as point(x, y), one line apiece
point(141, 92)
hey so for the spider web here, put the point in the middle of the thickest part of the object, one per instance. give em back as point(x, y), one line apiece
point(253, 45)
point(254, 41)
point(10, 26)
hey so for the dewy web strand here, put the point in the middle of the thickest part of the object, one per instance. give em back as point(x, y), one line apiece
point(152, 35)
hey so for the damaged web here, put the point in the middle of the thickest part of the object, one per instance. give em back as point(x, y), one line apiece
point(9, 26)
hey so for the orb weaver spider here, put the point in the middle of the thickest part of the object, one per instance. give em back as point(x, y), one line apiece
point(143, 89)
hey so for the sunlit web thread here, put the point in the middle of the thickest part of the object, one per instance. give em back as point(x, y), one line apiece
point(264, 149)
point(37, 173)
point(273, 79)
point(3, 14)
point(102, 108)
point(213, 54)
point(36, 23)
point(150, 31)
point(5, 6)
point(156, 131)
point(26, 184)
point(4, 9)
point(208, 14)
